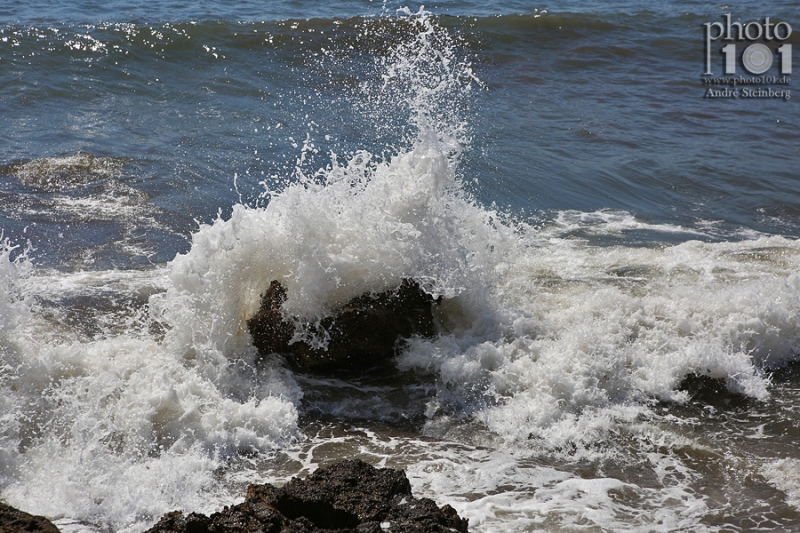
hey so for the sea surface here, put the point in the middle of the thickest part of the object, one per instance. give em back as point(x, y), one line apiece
point(617, 255)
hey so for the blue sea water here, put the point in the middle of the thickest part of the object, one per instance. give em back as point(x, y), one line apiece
point(617, 252)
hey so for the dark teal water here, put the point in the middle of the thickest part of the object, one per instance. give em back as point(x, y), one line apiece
point(584, 109)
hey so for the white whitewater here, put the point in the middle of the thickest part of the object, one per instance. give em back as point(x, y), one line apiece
point(550, 347)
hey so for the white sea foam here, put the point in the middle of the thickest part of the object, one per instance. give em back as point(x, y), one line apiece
point(550, 347)
point(784, 474)
point(121, 429)
point(595, 332)
point(554, 347)
point(14, 315)
point(59, 172)
point(499, 490)
point(14, 307)
point(610, 221)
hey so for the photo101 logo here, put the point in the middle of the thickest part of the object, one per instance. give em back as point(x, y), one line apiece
point(756, 59)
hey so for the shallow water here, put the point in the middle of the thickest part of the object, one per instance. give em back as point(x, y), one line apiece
point(617, 257)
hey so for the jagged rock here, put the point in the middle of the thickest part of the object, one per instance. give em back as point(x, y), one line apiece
point(364, 333)
point(347, 497)
point(15, 521)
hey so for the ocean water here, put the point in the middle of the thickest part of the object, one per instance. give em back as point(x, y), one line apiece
point(617, 254)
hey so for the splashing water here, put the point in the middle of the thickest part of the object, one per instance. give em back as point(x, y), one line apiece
point(553, 352)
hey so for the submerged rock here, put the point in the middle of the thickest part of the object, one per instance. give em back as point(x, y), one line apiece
point(364, 333)
point(55, 173)
point(15, 521)
point(349, 496)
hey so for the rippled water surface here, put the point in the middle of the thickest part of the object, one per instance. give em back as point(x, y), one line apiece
point(617, 257)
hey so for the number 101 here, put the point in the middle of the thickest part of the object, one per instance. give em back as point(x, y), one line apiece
point(757, 58)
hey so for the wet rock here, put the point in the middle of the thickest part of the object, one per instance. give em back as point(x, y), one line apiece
point(347, 497)
point(364, 333)
point(55, 173)
point(15, 521)
point(704, 390)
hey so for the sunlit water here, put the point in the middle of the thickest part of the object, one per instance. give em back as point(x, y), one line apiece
point(617, 257)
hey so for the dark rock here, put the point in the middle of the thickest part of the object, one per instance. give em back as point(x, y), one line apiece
point(240, 519)
point(364, 333)
point(347, 497)
point(15, 521)
point(710, 391)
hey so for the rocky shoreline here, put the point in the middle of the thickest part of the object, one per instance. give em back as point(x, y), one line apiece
point(349, 496)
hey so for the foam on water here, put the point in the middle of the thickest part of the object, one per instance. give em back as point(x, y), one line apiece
point(55, 173)
point(552, 350)
point(550, 346)
point(501, 490)
point(119, 429)
point(14, 315)
point(14, 309)
point(784, 474)
point(596, 332)
point(609, 221)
